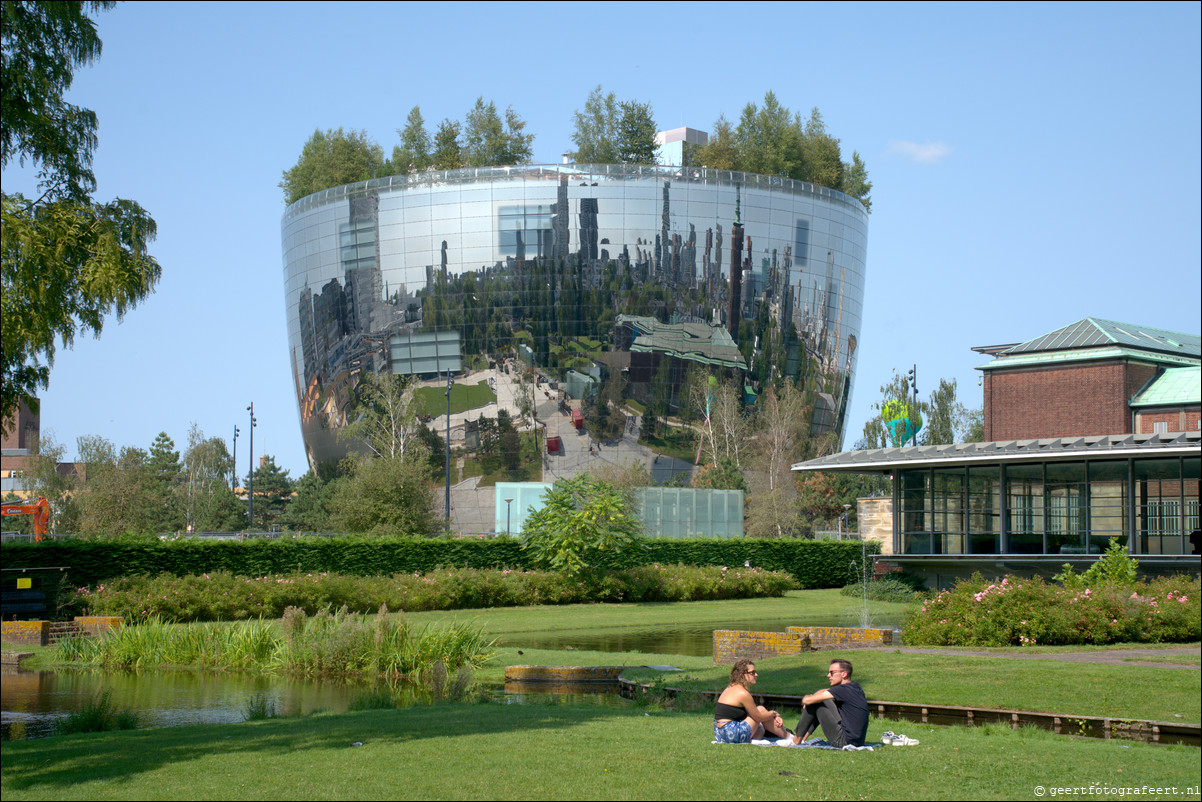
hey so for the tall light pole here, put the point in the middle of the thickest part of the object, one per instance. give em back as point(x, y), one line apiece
point(250, 517)
point(508, 502)
point(234, 467)
point(449, 381)
point(913, 376)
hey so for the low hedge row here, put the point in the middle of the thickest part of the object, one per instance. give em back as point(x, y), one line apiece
point(812, 563)
point(223, 597)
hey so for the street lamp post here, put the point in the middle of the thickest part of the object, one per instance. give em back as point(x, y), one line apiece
point(250, 516)
point(234, 467)
point(508, 502)
point(449, 382)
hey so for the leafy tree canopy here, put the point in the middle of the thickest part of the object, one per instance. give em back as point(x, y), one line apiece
point(332, 158)
point(772, 140)
point(583, 519)
point(67, 261)
point(609, 132)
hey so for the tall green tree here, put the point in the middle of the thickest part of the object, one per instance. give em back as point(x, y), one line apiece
point(607, 131)
point(489, 142)
point(120, 495)
point(66, 261)
point(855, 181)
point(332, 158)
point(636, 134)
point(448, 150)
point(205, 499)
point(595, 134)
point(312, 506)
point(164, 467)
point(413, 154)
point(720, 152)
point(273, 491)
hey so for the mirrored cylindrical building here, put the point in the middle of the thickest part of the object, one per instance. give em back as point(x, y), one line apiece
point(579, 271)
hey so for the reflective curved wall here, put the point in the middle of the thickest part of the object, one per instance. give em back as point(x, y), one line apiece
point(421, 274)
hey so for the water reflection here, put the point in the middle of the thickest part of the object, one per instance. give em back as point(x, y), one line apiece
point(696, 641)
point(33, 701)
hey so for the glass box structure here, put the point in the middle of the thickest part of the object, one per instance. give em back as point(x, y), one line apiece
point(448, 272)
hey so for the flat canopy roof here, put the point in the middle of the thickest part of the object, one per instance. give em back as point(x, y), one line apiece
point(1117, 446)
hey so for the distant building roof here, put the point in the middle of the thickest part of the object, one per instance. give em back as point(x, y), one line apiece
point(1093, 338)
point(697, 342)
point(886, 460)
point(1175, 387)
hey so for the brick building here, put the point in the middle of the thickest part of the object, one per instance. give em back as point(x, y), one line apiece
point(1087, 379)
point(1092, 433)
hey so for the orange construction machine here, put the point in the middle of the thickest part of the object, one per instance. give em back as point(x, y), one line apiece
point(38, 508)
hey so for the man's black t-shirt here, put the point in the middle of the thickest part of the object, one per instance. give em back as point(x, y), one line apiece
point(853, 709)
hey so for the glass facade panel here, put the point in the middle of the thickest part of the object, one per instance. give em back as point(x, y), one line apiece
point(1065, 510)
point(1191, 473)
point(947, 501)
point(915, 489)
point(1107, 504)
point(984, 510)
point(1158, 495)
point(1024, 509)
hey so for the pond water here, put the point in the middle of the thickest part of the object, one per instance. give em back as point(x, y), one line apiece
point(694, 640)
point(31, 702)
point(34, 701)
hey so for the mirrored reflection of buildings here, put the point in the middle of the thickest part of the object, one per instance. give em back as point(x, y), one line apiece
point(432, 273)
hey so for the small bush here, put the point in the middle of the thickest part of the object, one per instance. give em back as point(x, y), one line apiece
point(1025, 612)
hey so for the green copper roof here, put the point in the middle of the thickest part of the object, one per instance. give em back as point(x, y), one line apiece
point(1092, 332)
point(697, 342)
point(1175, 387)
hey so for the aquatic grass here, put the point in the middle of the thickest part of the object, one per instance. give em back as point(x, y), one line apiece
point(97, 714)
point(258, 707)
point(329, 643)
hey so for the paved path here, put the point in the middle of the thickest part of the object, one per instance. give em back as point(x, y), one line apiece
point(1123, 657)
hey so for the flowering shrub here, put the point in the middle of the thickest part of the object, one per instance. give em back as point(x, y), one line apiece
point(220, 596)
point(1026, 612)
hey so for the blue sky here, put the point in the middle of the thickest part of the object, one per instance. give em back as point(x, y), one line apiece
point(1032, 165)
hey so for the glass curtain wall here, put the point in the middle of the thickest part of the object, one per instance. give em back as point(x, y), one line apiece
point(1050, 508)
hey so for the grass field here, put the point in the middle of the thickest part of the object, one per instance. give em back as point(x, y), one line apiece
point(432, 401)
point(495, 751)
point(514, 751)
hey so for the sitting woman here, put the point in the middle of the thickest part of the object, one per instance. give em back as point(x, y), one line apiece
point(737, 718)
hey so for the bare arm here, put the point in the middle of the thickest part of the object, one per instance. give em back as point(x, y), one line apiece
point(814, 698)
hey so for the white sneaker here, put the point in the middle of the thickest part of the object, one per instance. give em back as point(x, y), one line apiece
point(887, 737)
point(901, 740)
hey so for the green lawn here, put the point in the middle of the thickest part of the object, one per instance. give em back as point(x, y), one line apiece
point(514, 751)
point(432, 401)
point(495, 751)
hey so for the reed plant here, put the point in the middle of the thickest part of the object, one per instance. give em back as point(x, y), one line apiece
point(97, 714)
point(330, 642)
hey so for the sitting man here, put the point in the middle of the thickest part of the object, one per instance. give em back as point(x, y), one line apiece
point(841, 709)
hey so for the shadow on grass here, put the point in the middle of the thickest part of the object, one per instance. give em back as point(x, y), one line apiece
point(50, 767)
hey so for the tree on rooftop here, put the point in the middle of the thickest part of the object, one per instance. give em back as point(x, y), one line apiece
point(67, 261)
point(489, 142)
point(413, 154)
point(332, 158)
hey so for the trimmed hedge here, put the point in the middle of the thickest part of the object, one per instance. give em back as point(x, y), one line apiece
point(813, 563)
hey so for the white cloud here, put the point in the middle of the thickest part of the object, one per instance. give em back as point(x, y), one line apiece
point(930, 153)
